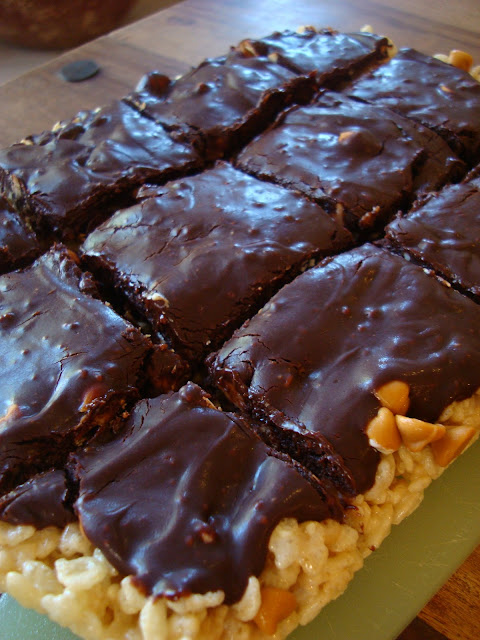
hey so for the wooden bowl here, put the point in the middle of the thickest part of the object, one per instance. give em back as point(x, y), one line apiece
point(54, 24)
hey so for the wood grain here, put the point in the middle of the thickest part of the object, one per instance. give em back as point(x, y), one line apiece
point(181, 36)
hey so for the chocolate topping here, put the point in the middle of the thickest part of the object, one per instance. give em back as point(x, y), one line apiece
point(208, 251)
point(225, 100)
point(314, 355)
point(40, 502)
point(432, 92)
point(74, 177)
point(68, 365)
point(18, 246)
point(444, 234)
point(186, 498)
point(351, 157)
point(332, 56)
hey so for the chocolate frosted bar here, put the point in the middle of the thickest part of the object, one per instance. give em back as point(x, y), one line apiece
point(18, 245)
point(332, 56)
point(312, 359)
point(432, 92)
point(69, 365)
point(68, 180)
point(360, 162)
point(444, 234)
point(191, 514)
point(224, 101)
point(207, 251)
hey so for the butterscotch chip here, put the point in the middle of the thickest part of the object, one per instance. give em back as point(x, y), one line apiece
point(383, 432)
point(452, 444)
point(460, 59)
point(416, 434)
point(395, 396)
point(277, 604)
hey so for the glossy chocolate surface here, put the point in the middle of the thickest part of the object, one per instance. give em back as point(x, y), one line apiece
point(40, 502)
point(313, 356)
point(186, 498)
point(444, 234)
point(208, 251)
point(435, 93)
point(223, 100)
point(331, 55)
point(18, 246)
point(71, 179)
point(359, 161)
point(67, 361)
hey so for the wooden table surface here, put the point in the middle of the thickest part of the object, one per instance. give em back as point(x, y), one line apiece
point(182, 35)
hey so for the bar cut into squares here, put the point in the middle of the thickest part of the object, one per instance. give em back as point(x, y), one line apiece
point(360, 162)
point(69, 364)
point(185, 498)
point(208, 251)
point(225, 101)
point(68, 180)
point(444, 234)
point(436, 94)
point(315, 360)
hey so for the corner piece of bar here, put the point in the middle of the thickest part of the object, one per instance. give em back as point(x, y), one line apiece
point(361, 162)
point(67, 180)
point(190, 514)
point(444, 234)
point(436, 94)
point(311, 360)
point(69, 365)
point(208, 251)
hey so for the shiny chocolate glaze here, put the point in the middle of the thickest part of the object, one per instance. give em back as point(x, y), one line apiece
point(68, 363)
point(40, 502)
point(185, 499)
point(432, 92)
point(359, 161)
point(331, 55)
point(18, 246)
point(72, 178)
point(312, 358)
point(223, 102)
point(208, 251)
point(444, 234)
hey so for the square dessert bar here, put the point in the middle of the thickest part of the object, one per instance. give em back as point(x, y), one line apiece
point(69, 365)
point(68, 180)
point(360, 162)
point(185, 498)
point(444, 234)
point(313, 360)
point(18, 245)
point(225, 101)
point(208, 251)
point(332, 56)
point(434, 93)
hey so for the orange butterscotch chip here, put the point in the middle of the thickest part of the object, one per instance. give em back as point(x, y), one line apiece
point(452, 444)
point(277, 604)
point(383, 433)
point(416, 434)
point(395, 396)
point(460, 59)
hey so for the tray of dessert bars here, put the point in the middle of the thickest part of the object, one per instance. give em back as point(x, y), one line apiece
point(238, 314)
